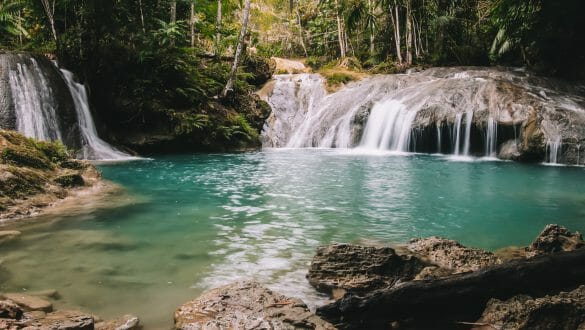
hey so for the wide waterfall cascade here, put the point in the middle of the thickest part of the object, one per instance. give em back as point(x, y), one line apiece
point(479, 112)
point(34, 102)
point(92, 146)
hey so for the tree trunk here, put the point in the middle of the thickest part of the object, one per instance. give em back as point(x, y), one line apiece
point(340, 29)
point(460, 297)
point(218, 28)
point(141, 15)
point(372, 36)
point(408, 34)
point(192, 23)
point(396, 25)
point(241, 39)
point(50, 12)
point(173, 11)
point(301, 38)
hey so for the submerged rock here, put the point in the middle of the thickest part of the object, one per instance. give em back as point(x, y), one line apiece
point(246, 305)
point(29, 303)
point(555, 238)
point(360, 269)
point(563, 311)
point(8, 236)
point(452, 255)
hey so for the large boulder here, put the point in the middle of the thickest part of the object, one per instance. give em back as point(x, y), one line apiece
point(452, 255)
point(246, 305)
point(555, 238)
point(563, 311)
point(360, 269)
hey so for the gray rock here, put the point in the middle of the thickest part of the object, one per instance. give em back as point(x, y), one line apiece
point(451, 254)
point(359, 269)
point(555, 238)
point(246, 305)
point(563, 311)
point(126, 322)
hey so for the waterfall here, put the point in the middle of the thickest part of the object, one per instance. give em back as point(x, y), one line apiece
point(457, 134)
point(554, 148)
point(439, 132)
point(92, 146)
point(491, 137)
point(389, 127)
point(34, 102)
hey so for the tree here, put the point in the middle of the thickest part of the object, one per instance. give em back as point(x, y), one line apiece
point(241, 39)
point(49, 7)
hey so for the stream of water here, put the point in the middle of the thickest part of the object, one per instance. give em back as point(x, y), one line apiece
point(191, 222)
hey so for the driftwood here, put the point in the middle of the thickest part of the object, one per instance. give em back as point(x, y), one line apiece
point(459, 298)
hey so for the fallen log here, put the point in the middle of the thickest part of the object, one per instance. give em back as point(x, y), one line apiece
point(459, 298)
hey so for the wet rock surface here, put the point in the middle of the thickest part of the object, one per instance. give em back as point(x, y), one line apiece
point(28, 302)
point(452, 255)
point(246, 305)
point(555, 238)
point(360, 269)
point(563, 311)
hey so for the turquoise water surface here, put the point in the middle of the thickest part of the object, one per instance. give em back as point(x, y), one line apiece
point(191, 222)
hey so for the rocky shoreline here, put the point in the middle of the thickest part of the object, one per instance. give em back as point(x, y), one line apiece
point(38, 178)
point(362, 279)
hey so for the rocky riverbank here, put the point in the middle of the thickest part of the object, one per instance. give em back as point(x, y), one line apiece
point(36, 177)
point(539, 286)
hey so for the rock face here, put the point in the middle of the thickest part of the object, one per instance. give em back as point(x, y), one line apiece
point(360, 269)
point(452, 255)
point(563, 311)
point(246, 305)
point(10, 310)
point(126, 322)
point(511, 114)
point(555, 238)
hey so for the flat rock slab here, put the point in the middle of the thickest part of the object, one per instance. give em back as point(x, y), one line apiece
point(452, 255)
point(360, 269)
point(246, 305)
point(563, 311)
point(29, 303)
point(126, 322)
point(63, 320)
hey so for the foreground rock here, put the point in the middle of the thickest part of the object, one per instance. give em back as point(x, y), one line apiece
point(246, 305)
point(36, 174)
point(555, 238)
point(28, 302)
point(563, 311)
point(451, 255)
point(359, 269)
point(461, 297)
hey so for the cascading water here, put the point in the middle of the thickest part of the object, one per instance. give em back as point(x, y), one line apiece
point(485, 112)
point(34, 102)
point(92, 146)
point(553, 148)
point(389, 127)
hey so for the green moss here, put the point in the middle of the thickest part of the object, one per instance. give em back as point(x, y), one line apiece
point(17, 182)
point(70, 179)
point(338, 78)
point(25, 157)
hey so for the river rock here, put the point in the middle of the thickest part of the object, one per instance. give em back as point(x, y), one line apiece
point(29, 303)
point(246, 305)
point(126, 322)
point(555, 238)
point(359, 269)
point(452, 255)
point(8, 236)
point(563, 311)
point(10, 310)
point(63, 320)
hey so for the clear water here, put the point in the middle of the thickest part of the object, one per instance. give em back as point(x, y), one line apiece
point(192, 222)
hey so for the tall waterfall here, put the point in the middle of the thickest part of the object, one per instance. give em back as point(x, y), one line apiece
point(92, 146)
point(49, 105)
point(34, 102)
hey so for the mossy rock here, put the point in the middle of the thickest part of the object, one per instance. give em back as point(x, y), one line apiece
point(73, 164)
point(70, 179)
point(18, 182)
point(25, 157)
